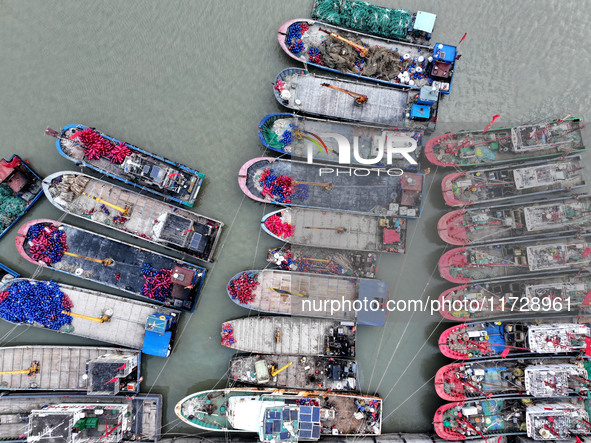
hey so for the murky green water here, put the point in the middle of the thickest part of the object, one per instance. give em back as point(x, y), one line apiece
point(191, 80)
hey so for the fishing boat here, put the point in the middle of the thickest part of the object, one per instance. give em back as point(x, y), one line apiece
point(505, 183)
point(337, 230)
point(366, 57)
point(324, 261)
point(89, 314)
point(516, 337)
point(330, 141)
point(533, 376)
point(502, 145)
point(311, 295)
point(547, 419)
point(138, 271)
point(127, 163)
point(282, 415)
point(65, 417)
point(135, 214)
point(521, 221)
point(353, 100)
point(290, 336)
point(295, 183)
point(504, 298)
point(397, 24)
point(20, 188)
point(91, 369)
point(294, 372)
point(474, 264)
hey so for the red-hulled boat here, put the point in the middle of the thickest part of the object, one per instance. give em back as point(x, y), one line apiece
point(505, 183)
point(499, 223)
point(550, 335)
point(509, 259)
point(535, 376)
point(502, 298)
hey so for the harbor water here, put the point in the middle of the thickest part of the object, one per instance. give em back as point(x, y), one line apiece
point(191, 80)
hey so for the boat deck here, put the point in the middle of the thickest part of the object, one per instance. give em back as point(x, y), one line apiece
point(61, 368)
point(128, 322)
point(14, 411)
point(125, 273)
point(340, 230)
point(293, 336)
point(324, 261)
point(375, 194)
point(145, 216)
point(308, 373)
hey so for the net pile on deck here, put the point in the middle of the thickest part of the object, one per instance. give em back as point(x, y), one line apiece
point(25, 302)
point(363, 16)
point(11, 206)
point(97, 146)
point(241, 288)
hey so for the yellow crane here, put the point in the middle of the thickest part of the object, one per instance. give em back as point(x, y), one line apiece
point(363, 51)
point(327, 186)
point(102, 319)
point(30, 371)
point(359, 98)
point(124, 211)
point(103, 261)
point(275, 372)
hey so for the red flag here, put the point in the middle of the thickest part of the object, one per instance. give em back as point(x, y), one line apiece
point(113, 380)
point(586, 252)
point(505, 352)
point(499, 440)
point(587, 300)
point(122, 366)
point(12, 164)
point(462, 39)
point(578, 439)
point(491, 123)
point(588, 346)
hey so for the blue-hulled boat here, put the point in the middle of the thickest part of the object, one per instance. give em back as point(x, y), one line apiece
point(128, 163)
point(20, 188)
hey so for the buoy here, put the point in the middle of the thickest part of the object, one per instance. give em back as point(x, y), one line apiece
point(406, 56)
point(419, 69)
point(298, 101)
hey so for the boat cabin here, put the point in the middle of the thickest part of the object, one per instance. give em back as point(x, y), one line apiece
point(107, 372)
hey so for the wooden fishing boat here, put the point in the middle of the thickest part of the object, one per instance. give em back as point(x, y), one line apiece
point(28, 417)
point(89, 314)
point(290, 336)
point(20, 188)
point(516, 337)
point(157, 277)
point(294, 372)
point(282, 415)
point(547, 419)
point(527, 142)
point(311, 295)
point(532, 376)
point(506, 183)
point(91, 369)
point(510, 259)
point(366, 57)
point(337, 230)
point(295, 183)
point(132, 165)
point(353, 100)
point(330, 141)
point(396, 24)
point(561, 293)
point(519, 221)
point(132, 213)
point(324, 261)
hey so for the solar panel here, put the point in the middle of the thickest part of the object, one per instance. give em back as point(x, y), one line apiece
point(276, 425)
point(276, 415)
point(268, 428)
point(305, 417)
point(286, 414)
point(269, 414)
point(305, 425)
point(306, 409)
point(294, 414)
point(315, 414)
point(305, 434)
point(284, 435)
point(316, 432)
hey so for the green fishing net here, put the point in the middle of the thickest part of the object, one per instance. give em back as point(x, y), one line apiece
point(11, 207)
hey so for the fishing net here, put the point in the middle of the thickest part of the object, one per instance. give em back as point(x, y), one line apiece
point(11, 207)
point(363, 16)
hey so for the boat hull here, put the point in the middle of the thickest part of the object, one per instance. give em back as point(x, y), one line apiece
point(129, 270)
